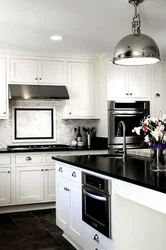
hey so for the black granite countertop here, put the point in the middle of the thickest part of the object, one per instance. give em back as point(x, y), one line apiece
point(135, 170)
point(24, 150)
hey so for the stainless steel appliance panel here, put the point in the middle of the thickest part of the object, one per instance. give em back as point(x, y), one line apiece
point(131, 113)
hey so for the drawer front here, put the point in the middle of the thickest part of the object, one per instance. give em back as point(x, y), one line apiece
point(49, 159)
point(5, 159)
point(91, 245)
point(28, 158)
point(94, 234)
point(61, 169)
point(74, 175)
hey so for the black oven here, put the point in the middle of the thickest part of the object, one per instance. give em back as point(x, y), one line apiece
point(96, 203)
point(131, 113)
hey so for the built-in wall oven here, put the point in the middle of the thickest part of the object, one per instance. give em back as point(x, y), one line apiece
point(96, 203)
point(131, 113)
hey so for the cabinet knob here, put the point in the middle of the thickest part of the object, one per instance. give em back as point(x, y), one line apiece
point(40, 78)
point(67, 189)
point(69, 113)
point(4, 113)
point(46, 169)
point(131, 93)
point(28, 158)
point(60, 169)
point(157, 95)
point(42, 169)
point(36, 78)
point(127, 93)
point(8, 172)
point(96, 238)
point(74, 174)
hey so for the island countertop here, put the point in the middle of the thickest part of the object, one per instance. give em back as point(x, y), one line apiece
point(135, 170)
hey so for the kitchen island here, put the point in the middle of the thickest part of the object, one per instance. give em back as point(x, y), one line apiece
point(138, 202)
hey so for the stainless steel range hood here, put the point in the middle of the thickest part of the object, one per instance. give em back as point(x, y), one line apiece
point(26, 92)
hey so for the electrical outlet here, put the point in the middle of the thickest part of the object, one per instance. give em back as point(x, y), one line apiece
point(118, 187)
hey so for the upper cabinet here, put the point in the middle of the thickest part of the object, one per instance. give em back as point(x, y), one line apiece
point(128, 82)
point(37, 71)
point(81, 87)
point(3, 90)
point(158, 89)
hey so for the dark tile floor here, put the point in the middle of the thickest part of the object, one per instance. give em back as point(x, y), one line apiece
point(34, 230)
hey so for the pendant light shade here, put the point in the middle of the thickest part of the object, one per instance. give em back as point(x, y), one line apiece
point(137, 48)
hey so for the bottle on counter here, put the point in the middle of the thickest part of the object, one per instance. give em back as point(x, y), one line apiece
point(79, 137)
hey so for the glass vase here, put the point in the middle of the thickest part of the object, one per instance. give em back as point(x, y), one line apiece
point(158, 163)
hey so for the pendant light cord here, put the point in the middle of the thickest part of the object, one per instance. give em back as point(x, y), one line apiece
point(136, 23)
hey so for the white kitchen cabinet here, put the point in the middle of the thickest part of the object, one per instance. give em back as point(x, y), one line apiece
point(68, 192)
point(128, 82)
point(81, 87)
point(5, 185)
point(3, 90)
point(37, 71)
point(29, 184)
point(49, 183)
point(35, 184)
point(158, 89)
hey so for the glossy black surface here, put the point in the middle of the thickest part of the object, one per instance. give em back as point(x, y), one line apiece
point(35, 230)
point(20, 149)
point(135, 170)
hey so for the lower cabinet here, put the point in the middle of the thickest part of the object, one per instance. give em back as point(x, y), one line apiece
point(69, 203)
point(35, 184)
point(5, 185)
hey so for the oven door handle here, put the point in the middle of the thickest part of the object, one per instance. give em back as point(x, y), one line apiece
point(96, 197)
point(129, 113)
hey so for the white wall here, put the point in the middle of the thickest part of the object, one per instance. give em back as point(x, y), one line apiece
point(63, 127)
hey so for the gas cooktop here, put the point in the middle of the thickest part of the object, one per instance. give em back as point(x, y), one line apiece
point(36, 147)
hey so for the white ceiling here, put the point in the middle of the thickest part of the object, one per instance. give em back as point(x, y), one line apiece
point(89, 27)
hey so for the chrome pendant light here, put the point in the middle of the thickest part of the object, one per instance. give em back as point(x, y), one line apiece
point(137, 48)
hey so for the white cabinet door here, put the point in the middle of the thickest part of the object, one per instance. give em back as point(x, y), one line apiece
point(81, 85)
point(29, 184)
point(51, 72)
point(24, 71)
point(118, 84)
point(3, 89)
point(62, 204)
point(138, 78)
point(5, 186)
point(50, 183)
point(158, 89)
point(75, 211)
point(129, 82)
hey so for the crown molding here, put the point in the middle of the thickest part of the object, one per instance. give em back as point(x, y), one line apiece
point(47, 55)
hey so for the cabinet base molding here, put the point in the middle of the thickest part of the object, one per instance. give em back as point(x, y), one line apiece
point(27, 207)
point(67, 237)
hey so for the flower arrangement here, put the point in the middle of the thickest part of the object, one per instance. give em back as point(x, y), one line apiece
point(154, 130)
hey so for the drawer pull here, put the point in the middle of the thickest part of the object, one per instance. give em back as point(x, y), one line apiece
point(74, 174)
point(96, 238)
point(60, 169)
point(28, 158)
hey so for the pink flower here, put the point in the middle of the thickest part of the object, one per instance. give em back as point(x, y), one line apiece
point(144, 127)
